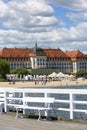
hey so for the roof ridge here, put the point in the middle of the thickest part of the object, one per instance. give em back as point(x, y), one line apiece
point(75, 53)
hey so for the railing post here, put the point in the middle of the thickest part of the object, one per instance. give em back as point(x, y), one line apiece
point(47, 113)
point(23, 98)
point(46, 95)
point(24, 102)
point(5, 96)
point(72, 106)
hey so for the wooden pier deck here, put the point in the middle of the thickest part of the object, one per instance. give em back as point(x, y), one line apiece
point(8, 122)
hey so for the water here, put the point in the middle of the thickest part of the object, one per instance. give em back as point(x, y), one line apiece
point(70, 87)
point(66, 97)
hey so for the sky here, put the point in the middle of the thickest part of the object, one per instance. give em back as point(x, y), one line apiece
point(51, 23)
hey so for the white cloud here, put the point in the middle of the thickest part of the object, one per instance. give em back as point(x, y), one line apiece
point(26, 14)
point(29, 20)
point(73, 38)
point(33, 7)
point(77, 17)
point(71, 4)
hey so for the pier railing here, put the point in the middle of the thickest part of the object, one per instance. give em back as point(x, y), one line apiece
point(14, 97)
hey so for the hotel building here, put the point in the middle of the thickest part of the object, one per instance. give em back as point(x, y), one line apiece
point(45, 60)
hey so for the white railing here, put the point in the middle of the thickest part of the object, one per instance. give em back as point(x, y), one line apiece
point(10, 95)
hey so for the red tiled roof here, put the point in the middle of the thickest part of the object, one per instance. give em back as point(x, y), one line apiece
point(75, 54)
point(50, 53)
point(0, 53)
point(15, 52)
point(54, 53)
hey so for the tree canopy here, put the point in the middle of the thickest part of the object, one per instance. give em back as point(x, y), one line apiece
point(20, 71)
point(4, 68)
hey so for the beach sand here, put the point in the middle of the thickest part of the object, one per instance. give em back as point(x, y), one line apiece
point(48, 84)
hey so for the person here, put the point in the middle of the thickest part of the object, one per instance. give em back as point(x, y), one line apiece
point(35, 82)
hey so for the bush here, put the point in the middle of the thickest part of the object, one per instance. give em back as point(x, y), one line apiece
point(3, 80)
point(20, 71)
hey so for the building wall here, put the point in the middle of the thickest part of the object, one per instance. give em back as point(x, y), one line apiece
point(79, 65)
point(14, 65)
point(64, 67)
point(38, 62)
point(41, 62)
point(45, 60)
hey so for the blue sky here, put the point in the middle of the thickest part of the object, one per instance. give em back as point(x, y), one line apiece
point(52, 23)
point(61, 13)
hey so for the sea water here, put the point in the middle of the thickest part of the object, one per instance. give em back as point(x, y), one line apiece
point(64, 114)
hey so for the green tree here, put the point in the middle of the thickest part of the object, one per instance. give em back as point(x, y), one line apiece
point(20, 71)
point(81, 73)
point(4, 68)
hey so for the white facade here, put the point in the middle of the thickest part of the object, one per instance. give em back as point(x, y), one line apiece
point(79, 65)
point(38, 62)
